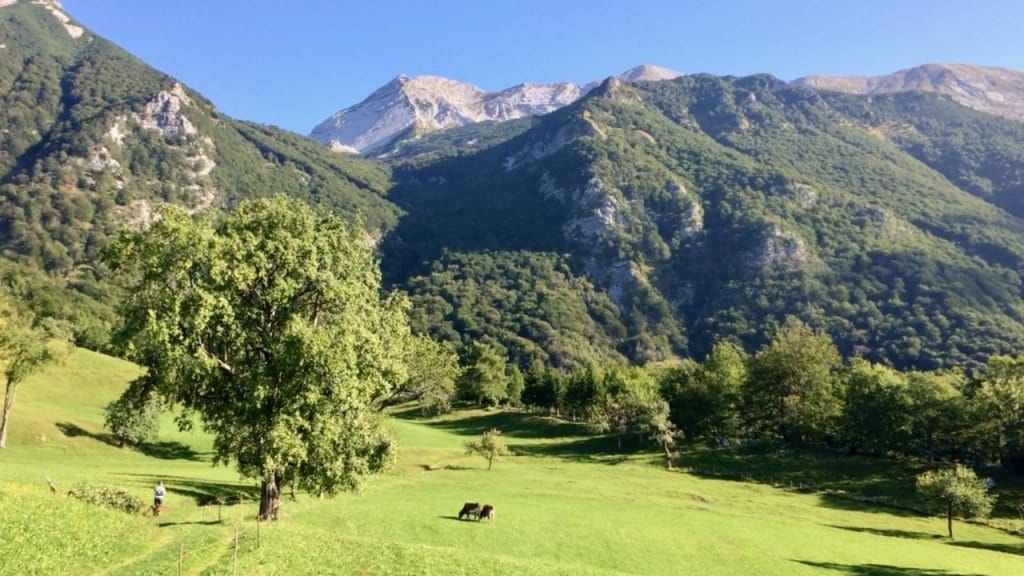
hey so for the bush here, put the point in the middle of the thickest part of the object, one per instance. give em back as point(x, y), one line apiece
point(109, 497)
point(133, 420)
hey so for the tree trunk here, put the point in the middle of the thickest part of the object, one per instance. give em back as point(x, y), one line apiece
point(270, 498)
point(668, 456)
point(490, 461)
point(949, 519)
point(5, 418)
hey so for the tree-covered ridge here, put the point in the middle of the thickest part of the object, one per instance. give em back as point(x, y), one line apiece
point(529, 303)
point(714, 207)
point(95, 141)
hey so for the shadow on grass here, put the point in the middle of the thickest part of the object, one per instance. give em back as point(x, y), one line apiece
point(204, 492)
point(511, 424)
point(890, 532)
point(601, 449)
point(189, 523)
point(166, 450)
point(845, 481)
point(435, 468)
point(75, 431)
point(1017, 549)
point(880, 569)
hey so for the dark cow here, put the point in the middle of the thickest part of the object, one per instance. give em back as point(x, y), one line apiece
point(486, 512)
point(470, 509)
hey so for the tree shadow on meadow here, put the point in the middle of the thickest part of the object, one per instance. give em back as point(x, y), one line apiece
point(72, 430)
point(511, 424)
point(203, 492)
point(890, 533)
point(843, 481)
point(164, 450)
point(169, 450)
point(599, 449)
point(880, 569)
point(1017, 549)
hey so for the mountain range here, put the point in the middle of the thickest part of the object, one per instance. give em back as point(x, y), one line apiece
point(640, 218)
point(409, 107)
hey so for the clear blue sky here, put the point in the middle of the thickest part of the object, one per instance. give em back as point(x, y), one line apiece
point(294, 62)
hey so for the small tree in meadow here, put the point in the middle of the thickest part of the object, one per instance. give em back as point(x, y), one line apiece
point(959, 491)
point(134, 418)
point(489, 446)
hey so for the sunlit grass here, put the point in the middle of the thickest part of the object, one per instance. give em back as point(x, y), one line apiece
point(566, 504)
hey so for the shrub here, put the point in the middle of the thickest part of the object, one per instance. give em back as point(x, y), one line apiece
point(109, 497)
point(133, 420)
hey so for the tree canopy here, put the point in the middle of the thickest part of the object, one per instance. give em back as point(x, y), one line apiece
point(269, 324)
point(959, 492)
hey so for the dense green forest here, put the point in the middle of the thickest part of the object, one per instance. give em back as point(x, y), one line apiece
point(643, 223)
point(94, 141)
point(711, 208)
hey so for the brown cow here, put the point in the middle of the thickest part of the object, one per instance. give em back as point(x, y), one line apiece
point(486, 512)
point(471, 509)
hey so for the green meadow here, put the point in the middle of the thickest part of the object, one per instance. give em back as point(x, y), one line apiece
point(567, 503)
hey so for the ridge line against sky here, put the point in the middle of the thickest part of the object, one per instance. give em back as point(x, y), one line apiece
point(293, 63)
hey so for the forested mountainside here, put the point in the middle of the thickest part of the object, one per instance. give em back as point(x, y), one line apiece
point(644, 221)
point(708, 208)
point(94, 141)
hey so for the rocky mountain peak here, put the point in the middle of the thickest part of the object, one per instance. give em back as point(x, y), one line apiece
point(422, 104)
point(648, 73)
point(989, 89)
point(55, 8)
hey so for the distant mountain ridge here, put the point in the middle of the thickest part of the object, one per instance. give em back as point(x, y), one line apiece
point(418, 105)
point(993, 90)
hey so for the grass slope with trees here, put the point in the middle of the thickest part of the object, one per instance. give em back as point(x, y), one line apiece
point(568, 502)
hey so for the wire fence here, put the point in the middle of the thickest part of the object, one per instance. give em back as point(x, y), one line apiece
point(241, 536)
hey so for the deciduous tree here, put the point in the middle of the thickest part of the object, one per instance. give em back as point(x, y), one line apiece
point(483, 380)
point(269, 323)
point(958, 490)
point(790, 387)
point(24, 349)
point(490, 446)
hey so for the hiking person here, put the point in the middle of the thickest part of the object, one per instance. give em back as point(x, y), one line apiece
point(158, 498)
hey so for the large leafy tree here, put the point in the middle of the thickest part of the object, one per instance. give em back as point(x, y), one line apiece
point(433, 372)
point(270, 325)
point(878, 410)
point(24, 349)
point(790, 386)
point(483, 380)
point(958, 491)
point(998, 407)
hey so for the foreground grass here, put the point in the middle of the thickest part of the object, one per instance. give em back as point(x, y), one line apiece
point(564, 506)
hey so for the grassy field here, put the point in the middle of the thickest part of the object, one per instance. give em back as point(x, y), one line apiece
point(566, 504)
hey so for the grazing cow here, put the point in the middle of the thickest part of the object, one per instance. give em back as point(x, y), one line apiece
point(470, 509)
point(486, 512)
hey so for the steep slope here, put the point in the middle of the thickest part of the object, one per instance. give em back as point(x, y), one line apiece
point(993, 90)
point(408, 107)
point(95, 141)
point(709, 207)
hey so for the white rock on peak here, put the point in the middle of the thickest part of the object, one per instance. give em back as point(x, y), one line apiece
point(988, 89)
point(430, 103)
point(55, 8)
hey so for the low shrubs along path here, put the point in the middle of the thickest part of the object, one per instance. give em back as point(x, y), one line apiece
point(566, 504)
